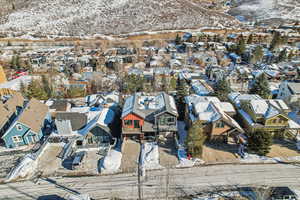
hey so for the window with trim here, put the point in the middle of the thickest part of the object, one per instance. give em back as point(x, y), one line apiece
point(274, 121)
point(19, 127)
point(17, 139)
point(128, 122)
point(167, 121)
point(136, 123)
point(220, 124)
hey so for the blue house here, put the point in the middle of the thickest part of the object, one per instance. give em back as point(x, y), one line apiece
point(27, 127)
point(9, 110)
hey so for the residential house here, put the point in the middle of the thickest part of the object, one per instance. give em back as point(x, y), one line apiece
point(216, 117)
point(146, 115)
point(268, 115)
point(201, 88)
point(27, 127)
point(9, 110)
point(290, 93)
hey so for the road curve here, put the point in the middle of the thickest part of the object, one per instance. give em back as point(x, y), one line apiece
point(181, 181)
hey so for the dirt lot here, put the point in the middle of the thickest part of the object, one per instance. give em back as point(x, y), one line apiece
point(168, 153)
point(48, 162)
point(130, 155)
point(222, 153)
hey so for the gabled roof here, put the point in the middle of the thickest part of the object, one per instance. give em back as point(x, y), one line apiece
point(34, 115)
point(78, 120)
point(9, 107)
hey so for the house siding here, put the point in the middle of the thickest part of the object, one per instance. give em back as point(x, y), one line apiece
point(9, 143)
point(219, 131)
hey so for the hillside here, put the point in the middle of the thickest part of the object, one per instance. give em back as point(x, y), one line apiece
point(271, 11)
point(88, 17)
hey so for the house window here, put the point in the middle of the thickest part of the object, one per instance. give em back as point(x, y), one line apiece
point(220, 125)
point(167, 121)
point(19, 127)
point(128, 122)
point(17, 139)
point(274, 121)
point(136, 123)
point(171, 121)
point(281, 121)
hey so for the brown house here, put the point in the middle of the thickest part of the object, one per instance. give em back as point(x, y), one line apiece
point(216, 116)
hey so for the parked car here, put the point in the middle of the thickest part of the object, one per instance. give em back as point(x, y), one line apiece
point(78, 159)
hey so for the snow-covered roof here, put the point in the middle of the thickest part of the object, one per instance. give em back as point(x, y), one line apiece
point(16, 83)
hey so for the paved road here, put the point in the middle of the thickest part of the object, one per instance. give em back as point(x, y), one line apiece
point(181, 181)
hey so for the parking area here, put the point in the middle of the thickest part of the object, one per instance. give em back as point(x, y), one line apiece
point(168, 153)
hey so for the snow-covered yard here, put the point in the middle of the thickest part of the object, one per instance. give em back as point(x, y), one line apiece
point(111, 162)
point(149, 159)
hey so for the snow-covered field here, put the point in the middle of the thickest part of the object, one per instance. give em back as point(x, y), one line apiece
point(89, 17)
point(268, 9)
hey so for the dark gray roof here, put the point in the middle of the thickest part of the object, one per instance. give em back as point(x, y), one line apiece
point(59, 105)
point(78, 120)
point(132, 106)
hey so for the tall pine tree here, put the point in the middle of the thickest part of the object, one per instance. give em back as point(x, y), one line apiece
point(260, 142)
point(222, 89)
point(261, 87)
point(182, 91)
point(195, 140)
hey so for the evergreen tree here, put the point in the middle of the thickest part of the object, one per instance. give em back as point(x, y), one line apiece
point(260, 142)
point(241, 46)
point(250, 39)
point(276, 40)
point(165, 85)
point(258, 54)
point(291, 55)
point(46, 86)
point(173, 83)
point(177, 40)
point(182, 91)
point(34, 90)
point(222, 89)
point(282, 55)
point(195, 140)
point(261, 87)
point(23, 89)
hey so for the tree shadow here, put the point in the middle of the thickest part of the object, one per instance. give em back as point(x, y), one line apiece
point(60, 186)
point(50, 197)
point(168, 146)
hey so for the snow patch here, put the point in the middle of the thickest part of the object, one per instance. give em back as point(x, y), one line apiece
point(26, 168)
point(253, 158)
point(150, 156)
point(111, 162)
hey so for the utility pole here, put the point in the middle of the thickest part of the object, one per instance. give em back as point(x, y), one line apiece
point(140, 190)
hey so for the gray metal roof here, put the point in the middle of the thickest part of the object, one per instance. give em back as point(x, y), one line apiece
point(163, 103)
